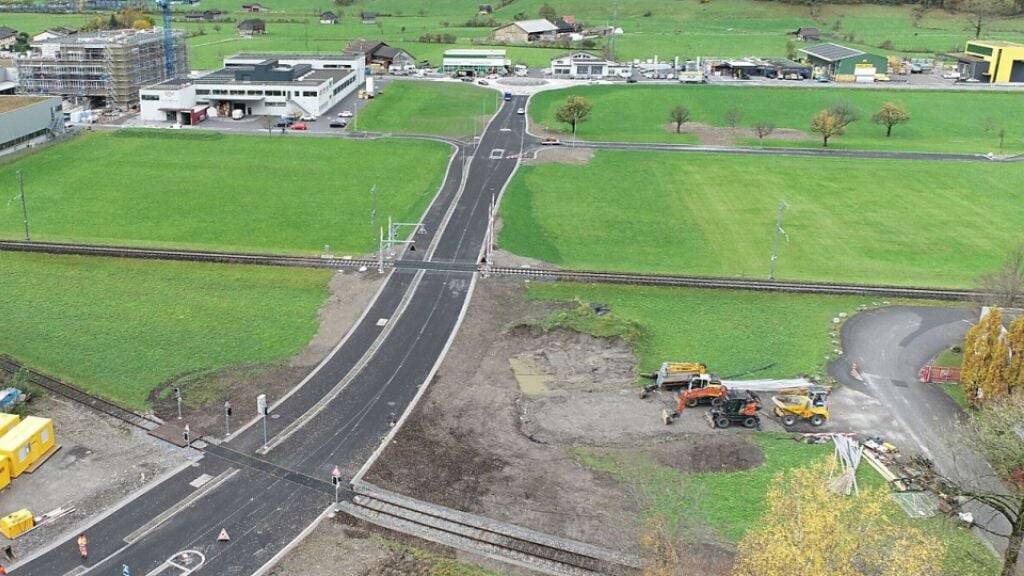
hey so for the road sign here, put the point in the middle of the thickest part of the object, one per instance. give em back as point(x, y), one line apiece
point(125, 571)
point(335, 475)
point(223, 536)
point(261, 404)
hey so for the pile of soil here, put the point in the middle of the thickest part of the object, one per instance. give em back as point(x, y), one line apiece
point(719, 136)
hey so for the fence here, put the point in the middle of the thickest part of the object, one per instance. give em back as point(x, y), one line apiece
point(939, 374)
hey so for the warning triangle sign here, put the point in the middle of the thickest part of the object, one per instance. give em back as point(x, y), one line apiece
point(223, 536)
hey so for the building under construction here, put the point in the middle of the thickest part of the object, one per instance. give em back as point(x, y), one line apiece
point(106, 67)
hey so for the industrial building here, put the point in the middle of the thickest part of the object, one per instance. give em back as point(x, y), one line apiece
point(27, 119)
point(833, 60)
point(470, 62)
point(582, 65)
point(256, 85)
point(107, 67)
point(526, 31)
point(993, 62)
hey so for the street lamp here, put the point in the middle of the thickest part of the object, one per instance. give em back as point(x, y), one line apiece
point(779, 232)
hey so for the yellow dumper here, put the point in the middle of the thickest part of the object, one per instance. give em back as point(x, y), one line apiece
point(28, 444)
point(811, 406)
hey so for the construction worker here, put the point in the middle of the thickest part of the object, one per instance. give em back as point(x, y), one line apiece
point(3, 571)
point(83, 547)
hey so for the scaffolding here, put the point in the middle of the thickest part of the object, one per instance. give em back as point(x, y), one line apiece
point(112, 65)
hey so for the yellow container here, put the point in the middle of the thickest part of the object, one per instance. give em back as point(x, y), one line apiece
point(8, 421)
point(16, 523)
point(27, 442)
point(5, 472)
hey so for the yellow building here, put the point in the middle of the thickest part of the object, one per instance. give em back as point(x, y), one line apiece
point(28, 442)
point(8, 421)
point(992, 61)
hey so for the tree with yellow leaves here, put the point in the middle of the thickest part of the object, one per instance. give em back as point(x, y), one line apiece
point(809, 530)
point(1015, 369)
point(979, 351)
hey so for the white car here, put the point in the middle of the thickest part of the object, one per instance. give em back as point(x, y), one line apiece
point(345, 114)
point(521, 111)
point(308, 118)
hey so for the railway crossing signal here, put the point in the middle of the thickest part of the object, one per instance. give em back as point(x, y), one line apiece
point(336, 480)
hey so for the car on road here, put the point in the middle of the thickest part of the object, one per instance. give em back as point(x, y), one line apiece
point(521, 111)
point(345, 114)
point(483, 82)
point(466, 78)
point(284, 123)
point(631, 80)
point(508, 96)
point(338, 123)
point(308, 118)
point(549, 141)
point(300, 126)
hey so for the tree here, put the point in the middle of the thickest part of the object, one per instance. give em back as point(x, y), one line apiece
point(546, 11)
point(890, 115)
point(575, 110)
point(828, 125)
point(791, 52)
point(680, 115)
point(979, 352)
point(845, 112)
point(982, 11)
point(808, 529)
point(1005, 286)
point(733, 116)
point(1015, 369)
point(763, 130)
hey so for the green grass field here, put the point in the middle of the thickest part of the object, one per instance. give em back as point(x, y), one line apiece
point(120, 328)
point(749, 334)
point(871, 221)
point(945, 121)
point(430, 108)
point(727, 28)
point(732, 502)
point(286, 194)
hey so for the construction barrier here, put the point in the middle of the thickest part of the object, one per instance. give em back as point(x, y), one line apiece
point(30, 441)
point(939, 374)
point(16, 523)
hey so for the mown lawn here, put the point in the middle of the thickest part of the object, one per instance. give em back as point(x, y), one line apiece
point(276, 193)
point(442, 108)
point(871, 221)
point(944, 121)
point(741, 334)
point(119, 328)
point(732, 502)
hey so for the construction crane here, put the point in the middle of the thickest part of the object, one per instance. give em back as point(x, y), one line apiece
point(165, 8)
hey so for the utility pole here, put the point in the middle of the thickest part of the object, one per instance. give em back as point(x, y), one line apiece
point(24, 204)
point(227, 418)
point(177, 398)
point(779, 231)
point(261, 407)
point(373, 209)
point(380, 253)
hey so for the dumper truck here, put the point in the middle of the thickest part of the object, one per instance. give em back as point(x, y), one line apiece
point(678, 375)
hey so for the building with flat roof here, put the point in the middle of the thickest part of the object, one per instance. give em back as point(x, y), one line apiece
point(105, 67)
point(991, 61)
point(835, 60)
point(256, 85)
point(26, 119)
point(581, 65)
point(470, 62)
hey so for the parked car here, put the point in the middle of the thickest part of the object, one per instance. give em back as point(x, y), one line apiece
point(954, 75)
point(284, 123)
point(345, 114)
point(466, 78)
point(549, 141)
point(308, 118)
point(338, 123)
point(300, 126)
point(483, 82)
point(631, 80)
point(822, 78)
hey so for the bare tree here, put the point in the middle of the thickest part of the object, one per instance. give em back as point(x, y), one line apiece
point(733, 116)
point(763, 130)
point(680, 115)
point(1005, 286)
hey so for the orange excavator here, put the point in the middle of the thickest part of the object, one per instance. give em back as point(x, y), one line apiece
point(704, 389)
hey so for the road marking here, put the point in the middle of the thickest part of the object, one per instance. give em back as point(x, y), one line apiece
point(200, 480)
point(504, 129)
point(186, 561)
point(181, 505)
point(382, 322)
point(497, 154)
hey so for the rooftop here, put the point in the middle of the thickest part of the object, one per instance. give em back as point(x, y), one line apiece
point(103, 37)
point(456, 52)
point(291, 56)
point(301, 75)
point(831, 52)
point(996, 43)
point(11, 103)
point(536, 26)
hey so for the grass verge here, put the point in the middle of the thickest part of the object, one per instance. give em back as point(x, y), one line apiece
point(440, 108)
point(119, 328)
point(215, 191)
point(870, 221)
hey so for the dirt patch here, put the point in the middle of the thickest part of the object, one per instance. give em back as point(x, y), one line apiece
point(720, 453)
point(478, 443)
point(204, 393)
point(719, 136)
point(101, 461)
point(563, 154)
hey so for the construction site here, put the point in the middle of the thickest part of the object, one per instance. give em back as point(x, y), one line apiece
point(105, 68)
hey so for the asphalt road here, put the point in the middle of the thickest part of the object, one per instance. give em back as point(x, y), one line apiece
point(337, 417)
point(890, 345)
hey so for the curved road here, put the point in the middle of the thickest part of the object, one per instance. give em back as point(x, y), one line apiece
point(337, 416)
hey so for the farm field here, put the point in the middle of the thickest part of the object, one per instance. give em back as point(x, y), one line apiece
point(442, 108)
point(940, 121)
point(215, 191)
point(119, 328)
point(870, 221)
point(755, 335)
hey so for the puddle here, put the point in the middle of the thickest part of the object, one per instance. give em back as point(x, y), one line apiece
point(533, 381)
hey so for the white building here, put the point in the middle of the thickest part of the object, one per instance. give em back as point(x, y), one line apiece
point(582, 65)
point(28, 119)
point(469, 62)
point(256, 85)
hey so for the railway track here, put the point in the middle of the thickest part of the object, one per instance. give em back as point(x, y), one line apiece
point(880, 290)
point(483, 536)
point(74, 394)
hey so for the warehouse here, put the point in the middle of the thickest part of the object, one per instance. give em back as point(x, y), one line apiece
point(467, 62)
point(581, 65)
point(833, 60)
point(28, 119)
point(255, 85)
point(993, 62)
point(526, 31)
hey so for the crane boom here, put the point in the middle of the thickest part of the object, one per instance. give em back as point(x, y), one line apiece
point(169, 60)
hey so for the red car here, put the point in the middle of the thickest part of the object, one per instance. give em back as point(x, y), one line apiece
point(300, 126)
